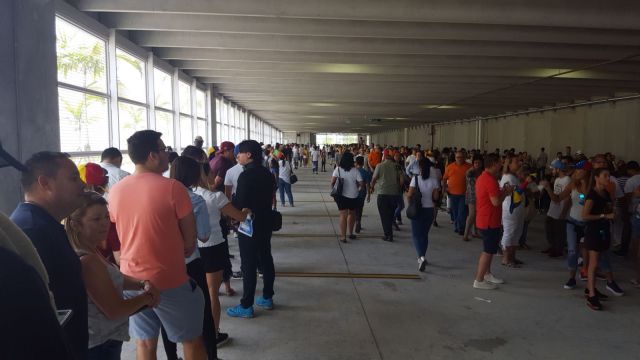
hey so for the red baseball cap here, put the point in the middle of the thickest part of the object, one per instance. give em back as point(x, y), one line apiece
point(93, 174)
point(226, 145)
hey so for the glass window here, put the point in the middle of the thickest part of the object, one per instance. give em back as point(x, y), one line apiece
point(82, 59)
point(84, 121)
point(132, 118)
point(162, 89)
point(164, 124)
point(184, 93)
point(218, 135)
point(186, 136)
point(201, 99)
point(130, 76)
point(201, 126)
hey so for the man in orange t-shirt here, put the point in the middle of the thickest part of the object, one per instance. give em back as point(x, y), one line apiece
point(157, 230)
point(375, 157)
point(456, 183)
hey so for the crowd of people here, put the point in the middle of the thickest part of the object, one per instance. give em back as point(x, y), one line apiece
point(145, 254)
point(592, 204)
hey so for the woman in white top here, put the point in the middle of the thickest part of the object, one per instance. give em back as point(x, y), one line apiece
point(213, 251)
point(284, 179)
point(430, 189)
point(347, 201)
point(512, 212)
point(108, 310)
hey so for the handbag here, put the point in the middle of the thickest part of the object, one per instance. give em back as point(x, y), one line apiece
point(337, 186)
point(416, 202)
point(293, 178)
point(276, 220)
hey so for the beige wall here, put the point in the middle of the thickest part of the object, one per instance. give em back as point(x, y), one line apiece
point(613, 126)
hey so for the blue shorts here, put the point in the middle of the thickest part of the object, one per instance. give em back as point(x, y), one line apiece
point(490, 240)
point(181, 312)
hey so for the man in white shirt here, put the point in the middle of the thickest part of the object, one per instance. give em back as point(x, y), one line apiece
point(315, 156)
point(111, 160)
point(555, 223)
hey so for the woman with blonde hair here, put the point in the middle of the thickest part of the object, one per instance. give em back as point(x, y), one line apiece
point(108, 310)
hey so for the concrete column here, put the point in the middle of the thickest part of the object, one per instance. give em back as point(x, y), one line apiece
point(28, 87)
point(213, 113)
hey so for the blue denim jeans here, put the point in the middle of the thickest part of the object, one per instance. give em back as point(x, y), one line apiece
point(283, 187)
point(459, 212)
point(420, 230)
point(109, 350)
point(575, 231)
point(397, 215)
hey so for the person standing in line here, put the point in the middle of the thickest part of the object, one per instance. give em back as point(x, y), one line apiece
point(598, 214)
point(338, 156)
point(555, 223)
point(347, 201)
point(489, 200)
point(296, 156)
point(323, 160)
point(157, 229)
point(375, 157)
point(284, 179)
point(111, 160)
point(397, 158)
point(108, 310)
point(315, 157)
point(420, 226)
point(364, 191)
point(633, 206)
point(512, 212)
point(470, 197)
point(390, 183)
point(224, 160)
point(541, 163)
point(255, 192)
point(456, 185)
point(53, 190)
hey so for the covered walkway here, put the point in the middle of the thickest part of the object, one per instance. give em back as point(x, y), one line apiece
point(438, 316)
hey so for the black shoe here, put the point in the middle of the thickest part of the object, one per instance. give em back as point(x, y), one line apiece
point(599, 295)
point(222, 339)
point(237, 275)
point(387, 238)
point(594, 303)
point(435, 223)
point(352, 237)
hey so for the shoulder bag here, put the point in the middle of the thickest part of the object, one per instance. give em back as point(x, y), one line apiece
point(293, 178)
point(337, 186)
point(416, 202)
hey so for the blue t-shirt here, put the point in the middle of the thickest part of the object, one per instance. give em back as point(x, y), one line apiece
point(64, 269)
point(203, 228)
point(366, 179)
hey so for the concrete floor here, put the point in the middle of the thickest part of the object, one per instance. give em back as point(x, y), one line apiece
point(438, 317)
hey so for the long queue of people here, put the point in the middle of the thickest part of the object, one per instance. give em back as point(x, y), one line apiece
point(591, 204)
point(144, 255)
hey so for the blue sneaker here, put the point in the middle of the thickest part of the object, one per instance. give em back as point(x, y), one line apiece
point(266, 304)
point(239, 311)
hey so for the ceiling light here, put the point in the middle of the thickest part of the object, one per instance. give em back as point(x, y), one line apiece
point(346, 68)
point(440, 107)
point(323, 104)
point(315, 116)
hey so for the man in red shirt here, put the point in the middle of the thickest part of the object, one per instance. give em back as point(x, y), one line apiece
point(489, 199)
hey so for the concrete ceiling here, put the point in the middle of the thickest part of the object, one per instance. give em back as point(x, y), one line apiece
point(333, 65)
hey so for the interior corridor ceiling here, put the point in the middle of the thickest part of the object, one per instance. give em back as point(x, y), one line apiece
point(334, 65)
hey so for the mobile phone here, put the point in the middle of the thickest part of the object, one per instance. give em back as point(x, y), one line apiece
point(64, 316)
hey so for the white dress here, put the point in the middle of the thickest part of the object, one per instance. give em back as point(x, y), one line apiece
point(512, 220)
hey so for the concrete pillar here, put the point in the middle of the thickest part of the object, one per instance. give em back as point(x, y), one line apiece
point(213, 114)
point(28, 87)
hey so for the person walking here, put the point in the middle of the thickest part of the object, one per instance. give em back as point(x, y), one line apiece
point(364, 191)
point(284, 179)
point(456, 185)
point(389, 183)
point(421, 224)
point(347, 201)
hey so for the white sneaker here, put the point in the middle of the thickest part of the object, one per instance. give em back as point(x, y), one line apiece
point(484, 285)
point(492, 279)
point(422, 263)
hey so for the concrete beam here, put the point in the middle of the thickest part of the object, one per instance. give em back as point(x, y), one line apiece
point(376, 45)
point(570, 13)
point(369, 29)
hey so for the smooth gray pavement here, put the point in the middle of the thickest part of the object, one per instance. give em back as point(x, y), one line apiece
point(438, 317)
